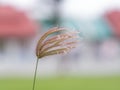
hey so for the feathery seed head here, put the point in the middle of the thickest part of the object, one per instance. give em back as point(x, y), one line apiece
point(58, 44)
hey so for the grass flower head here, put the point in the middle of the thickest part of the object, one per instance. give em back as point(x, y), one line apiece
point(61, 43)
point(57, 44)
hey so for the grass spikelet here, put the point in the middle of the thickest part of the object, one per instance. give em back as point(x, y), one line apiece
point(57, 44)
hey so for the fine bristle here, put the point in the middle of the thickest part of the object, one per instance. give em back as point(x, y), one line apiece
point(57, 44)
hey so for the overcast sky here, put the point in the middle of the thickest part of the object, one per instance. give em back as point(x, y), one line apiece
point(23, 4)
point(82, 8)
point(89, 8)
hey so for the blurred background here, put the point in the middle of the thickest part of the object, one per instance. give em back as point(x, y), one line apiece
point(93, 65)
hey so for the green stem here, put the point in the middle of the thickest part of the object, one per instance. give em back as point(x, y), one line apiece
point(34, 81)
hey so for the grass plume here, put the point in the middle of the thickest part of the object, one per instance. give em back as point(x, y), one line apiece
point(56, 44)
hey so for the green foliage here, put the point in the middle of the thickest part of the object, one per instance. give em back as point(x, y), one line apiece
point(103, 83)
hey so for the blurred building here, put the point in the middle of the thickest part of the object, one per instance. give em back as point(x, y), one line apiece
point(16, 31)
point(99, 38)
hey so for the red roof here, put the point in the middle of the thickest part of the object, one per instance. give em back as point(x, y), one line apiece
point(113, 17)
point(15, 23)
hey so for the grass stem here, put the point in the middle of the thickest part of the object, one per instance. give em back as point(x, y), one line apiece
point(34, 80)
